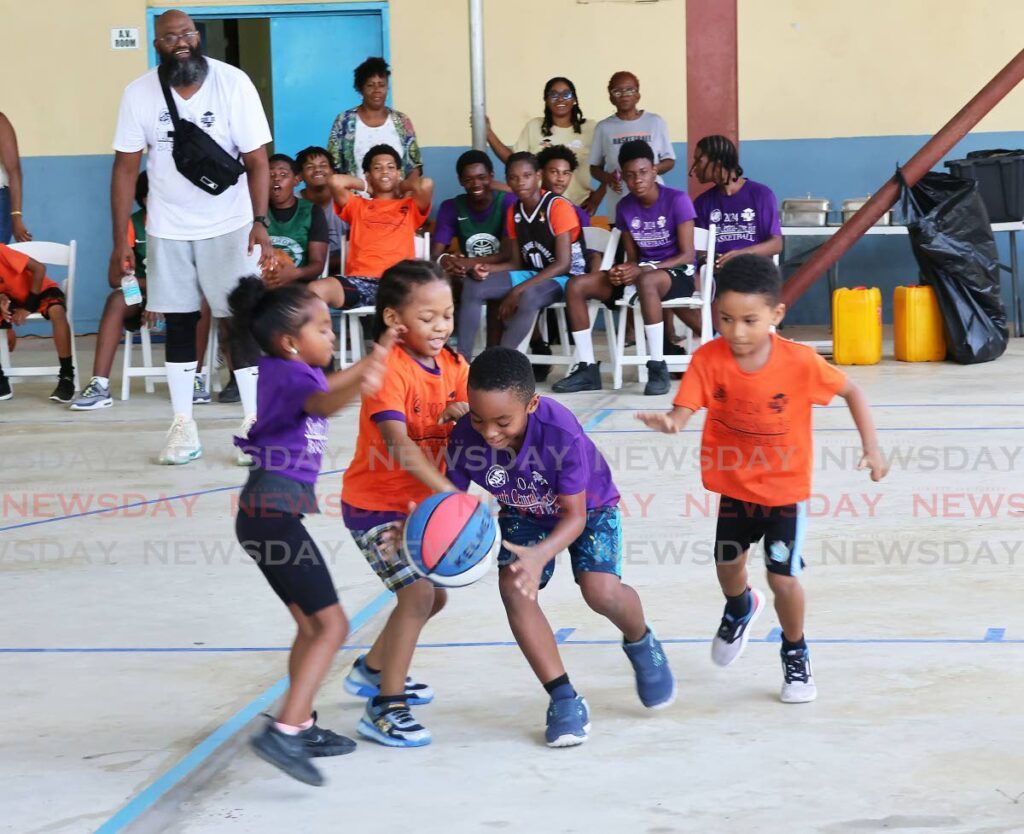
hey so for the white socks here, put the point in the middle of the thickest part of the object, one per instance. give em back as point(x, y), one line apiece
point(246, 379)
point(584, 346)
point(655, 334)
point(103, 381)
point(181, 380)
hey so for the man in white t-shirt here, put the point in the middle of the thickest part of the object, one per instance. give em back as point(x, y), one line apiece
point(199, 244)
point(627, 124)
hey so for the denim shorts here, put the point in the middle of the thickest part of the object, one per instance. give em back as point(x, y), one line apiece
point(597, 550)
point(6, 221)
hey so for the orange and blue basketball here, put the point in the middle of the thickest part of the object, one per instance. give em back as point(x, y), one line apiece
point(451, 539)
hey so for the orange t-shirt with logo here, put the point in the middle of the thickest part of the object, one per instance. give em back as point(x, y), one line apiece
point(381, 233)
point(757, 444)
point(417, 396)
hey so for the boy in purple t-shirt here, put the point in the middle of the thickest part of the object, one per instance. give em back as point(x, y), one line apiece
point(745, 212)
point(555, 491)
point(657, 232)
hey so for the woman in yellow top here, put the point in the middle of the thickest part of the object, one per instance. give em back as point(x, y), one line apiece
point(561, 124)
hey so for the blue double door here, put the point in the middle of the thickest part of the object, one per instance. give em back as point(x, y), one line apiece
point(300, 57)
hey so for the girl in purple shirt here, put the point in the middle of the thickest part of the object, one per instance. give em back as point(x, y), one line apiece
point(292, 328)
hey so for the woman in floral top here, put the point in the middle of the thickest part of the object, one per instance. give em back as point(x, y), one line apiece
point(372, 123)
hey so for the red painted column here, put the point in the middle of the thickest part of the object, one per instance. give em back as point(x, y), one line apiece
point(712, 90)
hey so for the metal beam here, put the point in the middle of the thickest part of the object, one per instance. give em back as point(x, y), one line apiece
point(478, 95)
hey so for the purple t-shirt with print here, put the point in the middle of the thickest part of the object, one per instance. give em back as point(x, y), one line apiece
point(748, 217)
point(556, 458)
point(285, 439)
point(653, 228)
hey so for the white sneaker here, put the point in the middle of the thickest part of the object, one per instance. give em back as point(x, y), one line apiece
point(182, 444)
point(244, 458)
point(730, 641)
point(797, 681)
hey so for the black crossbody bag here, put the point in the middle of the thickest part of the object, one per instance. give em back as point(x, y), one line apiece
point(196, 154)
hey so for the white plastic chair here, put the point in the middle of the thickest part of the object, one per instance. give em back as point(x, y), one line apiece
point(51, 254)
point(595, 239)
point(704, 241)
point(351, 321)
point(149, 372)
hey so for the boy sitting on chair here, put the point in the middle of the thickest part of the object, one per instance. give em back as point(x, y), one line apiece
point(657, 231)
point(25, 289)
point(382, 230)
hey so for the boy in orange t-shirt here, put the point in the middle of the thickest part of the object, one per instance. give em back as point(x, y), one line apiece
point(25, 289)
point(756, 451)
point(382, 230)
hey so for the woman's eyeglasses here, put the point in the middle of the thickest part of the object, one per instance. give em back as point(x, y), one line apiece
point(619, 92)
point(560, 95)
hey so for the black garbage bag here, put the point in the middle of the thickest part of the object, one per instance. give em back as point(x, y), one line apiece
point(956, 252)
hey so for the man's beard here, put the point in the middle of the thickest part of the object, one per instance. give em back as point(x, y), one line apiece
point(185, 73)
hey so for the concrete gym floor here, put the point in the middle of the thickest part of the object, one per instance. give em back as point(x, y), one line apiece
point(131, 636)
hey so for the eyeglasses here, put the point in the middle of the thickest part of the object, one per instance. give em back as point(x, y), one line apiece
point(191, 37)
point(563, 95)
point(619, 92)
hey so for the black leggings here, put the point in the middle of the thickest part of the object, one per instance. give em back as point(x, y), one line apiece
point(288, 557)
point(181, 336)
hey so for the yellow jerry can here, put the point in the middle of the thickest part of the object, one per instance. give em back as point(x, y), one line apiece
point(857, 326)
point(917, 325)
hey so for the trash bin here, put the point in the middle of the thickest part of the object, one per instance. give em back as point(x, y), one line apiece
point(1000, 177)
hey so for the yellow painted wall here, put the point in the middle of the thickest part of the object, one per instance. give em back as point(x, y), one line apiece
point(916, 62)
point(820, 68)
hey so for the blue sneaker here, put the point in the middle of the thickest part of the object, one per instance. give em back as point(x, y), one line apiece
point(363, 683)
point(568, 722)
point(392, 724)
point(655, 683)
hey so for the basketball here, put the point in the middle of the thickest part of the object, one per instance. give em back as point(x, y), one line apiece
point(451, 539)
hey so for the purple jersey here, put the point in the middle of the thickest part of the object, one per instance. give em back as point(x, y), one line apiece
point(285, 439)
point(748, 217)
point(653, 228)
point(556, 458)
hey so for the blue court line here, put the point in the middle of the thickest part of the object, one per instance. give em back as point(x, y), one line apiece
point(162, 500)
point(600, 417)
point(143, 801)
point(992, 635)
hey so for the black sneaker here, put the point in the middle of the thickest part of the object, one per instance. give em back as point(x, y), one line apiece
point(658, 380)
point(540, 372)
point(5, 388)
point(584, 377)
point(321, 742)
point(289, 753)
point(672, 349)
point(229, 394)
point(65, 390)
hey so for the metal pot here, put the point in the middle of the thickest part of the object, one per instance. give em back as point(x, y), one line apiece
point(851, 207)
point(805, 211)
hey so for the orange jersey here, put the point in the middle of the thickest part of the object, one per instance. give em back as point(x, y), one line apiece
point(757, 444)
point(15, 277)
point(417, 396)
point(381, 233)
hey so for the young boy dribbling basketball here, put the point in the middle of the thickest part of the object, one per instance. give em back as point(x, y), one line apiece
point(758, 389)
point(556, 492)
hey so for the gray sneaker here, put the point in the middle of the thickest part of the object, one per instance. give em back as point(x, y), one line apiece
point(200, 396)
point(95, 395)
point(584, 377)
point(289, 753)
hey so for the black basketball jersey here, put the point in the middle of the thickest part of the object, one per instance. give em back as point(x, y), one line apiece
point(536, 238)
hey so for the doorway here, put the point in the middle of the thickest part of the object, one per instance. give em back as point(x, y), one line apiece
point(300, 58)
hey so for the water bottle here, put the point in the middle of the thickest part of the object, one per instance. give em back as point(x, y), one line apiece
point(130, 288)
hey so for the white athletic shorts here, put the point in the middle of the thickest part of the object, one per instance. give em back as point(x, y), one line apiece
point(180, 273)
